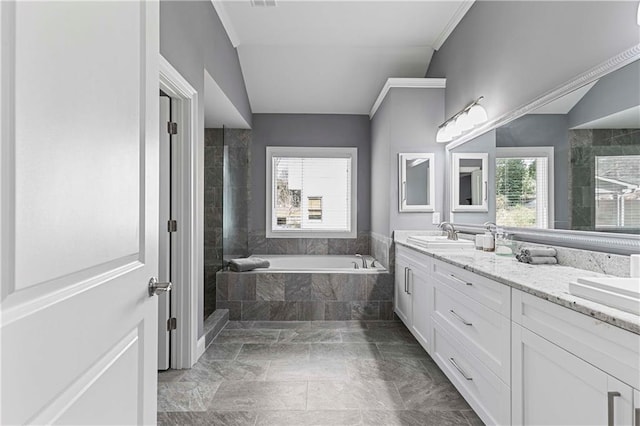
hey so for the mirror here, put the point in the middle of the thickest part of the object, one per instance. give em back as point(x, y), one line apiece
point(572, 164)
point(416, 182)
point(470, 180)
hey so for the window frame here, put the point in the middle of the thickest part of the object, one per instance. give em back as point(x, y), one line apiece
point(310, 152)
point(534, 152)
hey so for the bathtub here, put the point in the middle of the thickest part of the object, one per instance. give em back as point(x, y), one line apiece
point(321, 263)
point(307, 288)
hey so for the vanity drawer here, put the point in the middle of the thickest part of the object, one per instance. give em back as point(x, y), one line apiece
point(489, 293)
point(484, 332)
point(489, 396)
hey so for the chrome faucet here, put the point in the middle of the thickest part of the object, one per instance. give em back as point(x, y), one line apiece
point(447, 227)
point(490, 226)
point(364, 260)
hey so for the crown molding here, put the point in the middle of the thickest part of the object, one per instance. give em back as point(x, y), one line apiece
point(625, 58)
point(407, 83)
point(218, 5)
point(453, 23)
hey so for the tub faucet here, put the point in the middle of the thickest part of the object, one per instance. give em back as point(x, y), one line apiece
point(355, 265)
point(364, 260)
point(447, 227)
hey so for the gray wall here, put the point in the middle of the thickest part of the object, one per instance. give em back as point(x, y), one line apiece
point(544, 130)
point(193, 40)
point(407, 121)
point(512, 52)
point(613, 93)
point(315, 130)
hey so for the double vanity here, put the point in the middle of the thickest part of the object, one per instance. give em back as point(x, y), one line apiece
point(519, 347)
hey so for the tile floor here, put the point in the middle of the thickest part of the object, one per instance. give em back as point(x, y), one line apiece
point(312, 373)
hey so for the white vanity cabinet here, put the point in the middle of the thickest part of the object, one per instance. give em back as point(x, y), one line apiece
point(412, 293)
point(570, 369)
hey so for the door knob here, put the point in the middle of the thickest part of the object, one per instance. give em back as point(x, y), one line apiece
point(155, 287)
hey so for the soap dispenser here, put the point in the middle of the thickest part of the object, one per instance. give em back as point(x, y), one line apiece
point(504, 243)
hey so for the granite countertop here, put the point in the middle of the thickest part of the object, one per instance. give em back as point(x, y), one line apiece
point(549, 282)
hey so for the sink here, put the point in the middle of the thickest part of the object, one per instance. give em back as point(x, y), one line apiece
point(439, 242)
point(617, 292)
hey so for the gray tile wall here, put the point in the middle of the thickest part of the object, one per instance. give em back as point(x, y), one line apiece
point(585, 145)
point(382, 249)
point(259, 244)
point(237, 169)
point(263, 296)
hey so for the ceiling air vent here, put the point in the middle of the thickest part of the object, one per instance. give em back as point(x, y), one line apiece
point(264, 3)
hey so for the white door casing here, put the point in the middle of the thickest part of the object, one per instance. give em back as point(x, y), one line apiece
point(79, 212)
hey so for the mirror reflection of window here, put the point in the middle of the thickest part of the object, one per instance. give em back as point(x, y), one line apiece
point(617, 192)
point(522, 198)
point(470, 179)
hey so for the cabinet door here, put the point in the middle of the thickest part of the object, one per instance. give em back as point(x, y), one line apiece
point(551, 386)
point(402, 296)
point(420, 290)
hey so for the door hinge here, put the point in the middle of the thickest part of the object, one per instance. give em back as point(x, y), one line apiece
point(172, 324)
point(172, 226)
point(172, 128)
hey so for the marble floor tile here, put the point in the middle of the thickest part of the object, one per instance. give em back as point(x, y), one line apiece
point(385, 324)
point(412, 418)
point(236, 325)
point(321, 369)
point(274, 351)
point(221, 351)
point(309, 418)
point(351, 395)
point(282, 325)
point(247, 336)
point(309, 336)
point(389, 370)
point(185, 396)
point(170, 375)
point(472, 418)
point(427, 395)
point(374, 335)
point(218, 370)
point(239, 396)
point(218, 418)
point(394, 351)
point(344, 351)
point(336, 325)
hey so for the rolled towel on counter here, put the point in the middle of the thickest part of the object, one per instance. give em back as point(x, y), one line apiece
point(539, 251)
point(542, 260)
point(247, 264)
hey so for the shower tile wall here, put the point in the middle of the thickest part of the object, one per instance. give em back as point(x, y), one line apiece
point(259, 244)
point(585, 145)
point(213, 209)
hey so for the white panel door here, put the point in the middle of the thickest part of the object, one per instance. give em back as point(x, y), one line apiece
point(79, 212)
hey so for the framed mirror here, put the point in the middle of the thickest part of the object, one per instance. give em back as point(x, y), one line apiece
point(566, 168)
point(416, 182)
point(469, 180)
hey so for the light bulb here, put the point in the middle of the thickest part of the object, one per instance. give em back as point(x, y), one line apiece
point(442, 135)
point(477, 114)
point(463, 122)
point(452, 129)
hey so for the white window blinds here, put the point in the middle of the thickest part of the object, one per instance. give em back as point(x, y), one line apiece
point(311, 193)
point(617, 191)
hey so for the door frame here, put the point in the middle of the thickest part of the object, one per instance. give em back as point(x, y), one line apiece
point(185, 348)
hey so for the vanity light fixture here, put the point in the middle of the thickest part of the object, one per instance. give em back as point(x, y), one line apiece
point(472, 115)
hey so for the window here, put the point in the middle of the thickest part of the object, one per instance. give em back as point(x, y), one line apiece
point(311, 192)
point(617, 192)
point(524, 187)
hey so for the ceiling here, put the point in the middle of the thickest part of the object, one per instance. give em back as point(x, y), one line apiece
point(333, 56)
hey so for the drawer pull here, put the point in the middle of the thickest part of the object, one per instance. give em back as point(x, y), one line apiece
point(405, 278)
point(610, 407)
point(409, 281)
point(464, 321)
point(459, 280)
point(455, 364)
